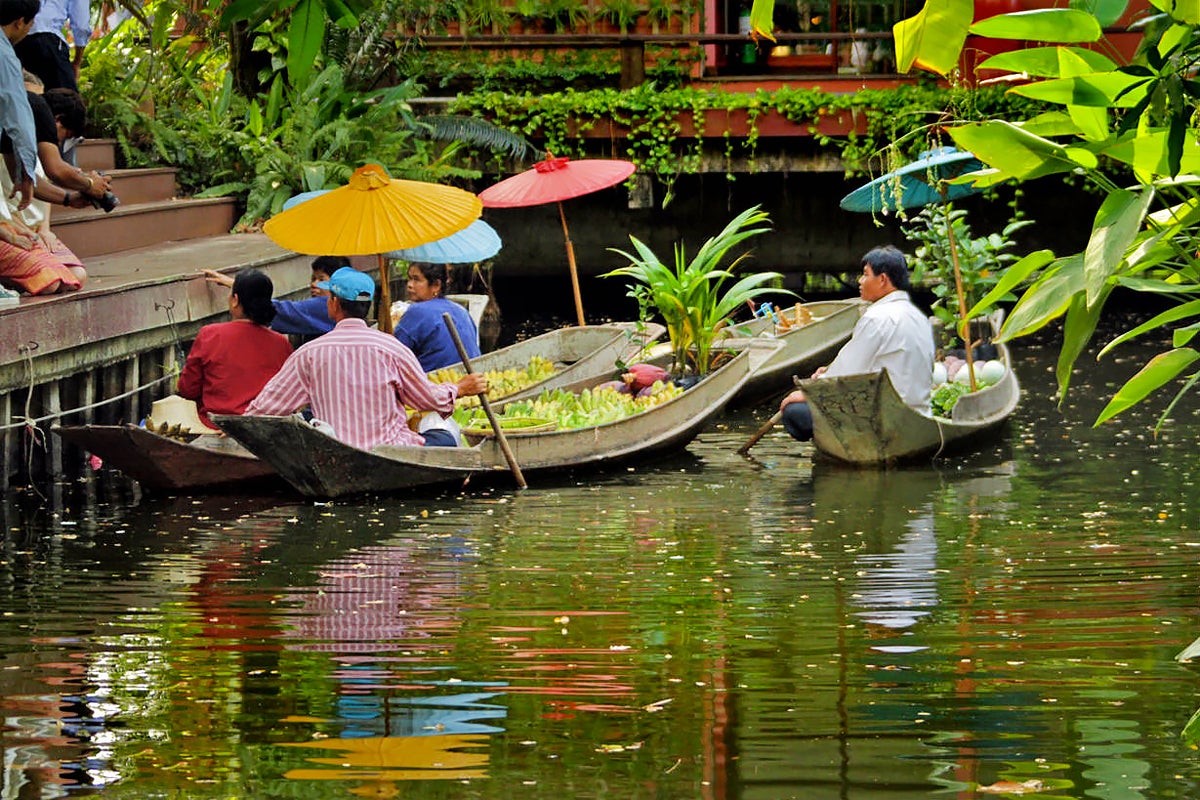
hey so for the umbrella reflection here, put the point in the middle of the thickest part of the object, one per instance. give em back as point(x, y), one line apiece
point(397, 758)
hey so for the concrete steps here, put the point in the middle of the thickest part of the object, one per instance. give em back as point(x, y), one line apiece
point(90, 232)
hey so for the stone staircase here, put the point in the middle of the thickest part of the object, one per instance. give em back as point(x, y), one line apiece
point(143, 302)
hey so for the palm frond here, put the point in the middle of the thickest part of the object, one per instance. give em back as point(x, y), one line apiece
point(479, 132)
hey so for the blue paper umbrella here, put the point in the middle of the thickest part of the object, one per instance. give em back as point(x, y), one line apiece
point(476, 242)
point(297, 199)
point(921, 183)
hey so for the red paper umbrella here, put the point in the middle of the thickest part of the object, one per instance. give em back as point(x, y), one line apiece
point(555, 180)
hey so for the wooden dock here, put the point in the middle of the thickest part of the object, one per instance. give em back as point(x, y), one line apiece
point(105, 353)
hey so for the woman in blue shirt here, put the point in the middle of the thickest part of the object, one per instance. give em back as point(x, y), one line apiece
point(422, 329)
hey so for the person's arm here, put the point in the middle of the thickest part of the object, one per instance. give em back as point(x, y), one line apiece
point(307, 317)
point(79, 14)
point(284, 394)
point(65, 176)
point(415, 389)
point(16, 117)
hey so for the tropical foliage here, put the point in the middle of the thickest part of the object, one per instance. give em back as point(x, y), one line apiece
point(172, 99)
point(1127, 128)
point(691, 296)
point(981, 258)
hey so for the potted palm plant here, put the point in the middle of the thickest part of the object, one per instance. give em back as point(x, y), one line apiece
point(691, 296)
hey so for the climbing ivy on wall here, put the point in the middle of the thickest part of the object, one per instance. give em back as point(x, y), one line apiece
point(897, 121)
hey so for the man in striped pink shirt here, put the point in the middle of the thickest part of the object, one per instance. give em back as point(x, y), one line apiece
point(359, 380)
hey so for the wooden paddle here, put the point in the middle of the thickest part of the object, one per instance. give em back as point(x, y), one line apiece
point(761, 432)
point(487, 407)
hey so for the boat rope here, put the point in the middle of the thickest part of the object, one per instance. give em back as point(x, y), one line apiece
point(169, 308)
point(941, 440)
point(27, 421)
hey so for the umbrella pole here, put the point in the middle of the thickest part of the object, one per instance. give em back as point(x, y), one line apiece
point(385, 296)
point(964, 327)
point(487, 406)
point(571, 263)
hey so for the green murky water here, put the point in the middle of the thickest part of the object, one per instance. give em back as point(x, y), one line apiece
point(704, 627)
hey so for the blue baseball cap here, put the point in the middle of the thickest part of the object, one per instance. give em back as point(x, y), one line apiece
point(349, 284)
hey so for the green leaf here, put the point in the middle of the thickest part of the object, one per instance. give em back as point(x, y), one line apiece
point(1051, 123)
point(762, 19)
point(305, 34)
point(1078, 328)
point(1102, 89)
point(1189, 309)
point(1046, 300)
point(1106, 12)
point(1162, 368)
point(934, 38)
point(224, 189)
point(1187, 11)
point(1013, 276)
point(1042, 62)
point(1041, 25)
point(1148, 154)
point(1012, 149)
point(1117, 225)
point(254, 119)
point(1092, 122)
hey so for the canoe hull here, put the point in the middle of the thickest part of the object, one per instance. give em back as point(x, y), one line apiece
point(163, 464)
point(319, 466)
point(860, 419)
point(804, 348)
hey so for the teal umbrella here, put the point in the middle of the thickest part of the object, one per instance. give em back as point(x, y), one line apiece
point(921, 183)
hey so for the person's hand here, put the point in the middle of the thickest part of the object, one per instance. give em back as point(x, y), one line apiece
point(98, 183)
point(24, 189)
point(80, 200)
point(795, 397)
point(475, 383)
point(212, 276)
point(820, 371)
point(18, 237)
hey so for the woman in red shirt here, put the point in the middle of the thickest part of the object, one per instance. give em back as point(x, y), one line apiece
point(230, 362)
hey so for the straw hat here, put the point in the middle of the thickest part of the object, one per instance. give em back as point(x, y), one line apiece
point(174, 410)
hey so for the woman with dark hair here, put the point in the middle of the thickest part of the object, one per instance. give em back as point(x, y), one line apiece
point(230, 362)
point(422, 328)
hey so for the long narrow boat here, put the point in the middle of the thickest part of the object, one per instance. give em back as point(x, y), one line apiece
point(861, 420)
point(162, 463)
point(165, 464)
point(807, 346)
point(578, 353)
point(318, 465)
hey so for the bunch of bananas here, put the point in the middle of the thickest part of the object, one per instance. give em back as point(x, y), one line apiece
point(570, 410)
point(175, 431)
point(501, 383)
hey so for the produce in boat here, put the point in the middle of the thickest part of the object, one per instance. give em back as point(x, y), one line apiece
point(569, 410)
point(951, 380)
point(501, 383)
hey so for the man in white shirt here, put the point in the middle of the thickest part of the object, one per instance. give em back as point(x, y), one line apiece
point(893, 334)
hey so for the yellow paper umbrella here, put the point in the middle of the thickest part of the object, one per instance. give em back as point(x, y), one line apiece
point(371, 215)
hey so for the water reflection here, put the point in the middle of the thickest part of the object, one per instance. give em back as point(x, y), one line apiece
point(702, 627)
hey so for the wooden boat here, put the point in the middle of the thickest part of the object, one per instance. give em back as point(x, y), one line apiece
point(806, 347)
point(318, 465)
point(165, 464)
point(162, 463)
point(579, 353)
point(860, 419)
